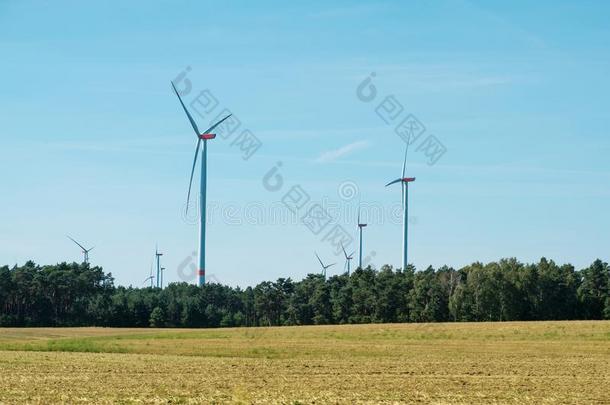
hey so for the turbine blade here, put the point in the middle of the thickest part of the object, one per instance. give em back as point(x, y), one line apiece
point(404, 163)
point(90, 249)
point(320, 260)
point(332, 264)
point(194, 125)
point(344, 252)
point(358, 214)
point(393, 182)
point(188, 196)
point(404, 174)
point(79, 245)
point(207, 131)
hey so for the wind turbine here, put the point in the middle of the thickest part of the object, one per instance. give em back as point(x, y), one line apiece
point(158, 256)
point(85, 251)
point(348, 259)
point(201, 138)
point(162, 270)
point(324, 267)
point(360, 226)
point(404, 181)
point(151, 277)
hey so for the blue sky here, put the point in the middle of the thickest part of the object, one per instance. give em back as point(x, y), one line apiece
point(94, 143)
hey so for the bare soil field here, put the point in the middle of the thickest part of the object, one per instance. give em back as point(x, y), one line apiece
point(515, 362)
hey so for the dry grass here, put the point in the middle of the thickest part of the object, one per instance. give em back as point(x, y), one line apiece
point(542, 362)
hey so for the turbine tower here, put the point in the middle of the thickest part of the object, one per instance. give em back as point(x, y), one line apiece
point(85, 251)
point(324, 267)
point(158, 256)
point(404, 181)
point(360, 226)
point(348, 259)
point(162, 270)
point(201, 138)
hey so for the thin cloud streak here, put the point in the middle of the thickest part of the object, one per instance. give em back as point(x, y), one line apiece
point(333, 155)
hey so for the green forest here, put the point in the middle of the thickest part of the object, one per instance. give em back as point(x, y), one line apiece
point(71, 294)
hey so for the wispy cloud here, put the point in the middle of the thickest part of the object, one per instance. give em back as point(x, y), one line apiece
point(350, 11)
point(332, 155)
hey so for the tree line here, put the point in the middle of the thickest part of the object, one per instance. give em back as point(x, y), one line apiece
point(71, 294)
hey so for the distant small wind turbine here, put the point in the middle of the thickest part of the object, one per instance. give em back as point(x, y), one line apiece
point(85, 251)
point(151, 277)
point(348, 259)
point(205, 137)
point(404, 181)
point(324, 267)
point(360, 226)
point(158, 256)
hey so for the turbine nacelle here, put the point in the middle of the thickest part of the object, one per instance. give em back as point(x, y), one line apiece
point(207, 137)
